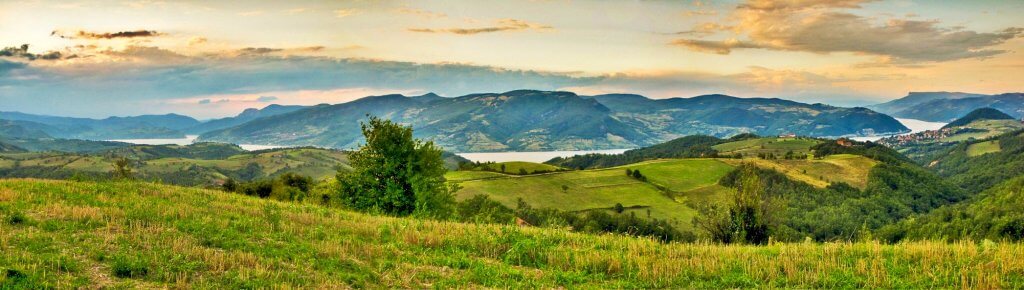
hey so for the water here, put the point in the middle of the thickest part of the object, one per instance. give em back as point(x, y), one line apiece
point(189, 139)
point(540, 156)
point(914, 126)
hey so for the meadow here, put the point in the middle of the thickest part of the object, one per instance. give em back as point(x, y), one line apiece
point(670, 182)
point(66, 234)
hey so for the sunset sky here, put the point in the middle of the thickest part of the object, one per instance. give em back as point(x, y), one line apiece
point(212, 59)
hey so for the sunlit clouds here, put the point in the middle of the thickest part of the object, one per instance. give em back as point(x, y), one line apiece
point(213, 58)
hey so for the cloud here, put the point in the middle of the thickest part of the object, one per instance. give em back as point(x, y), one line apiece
point(81, 34)
point(501, 25)
point(265, 99)
point(251, 13)
point(342, 13)
point(197, 41)
point(422, 13)
point(822, 26)
point(719, 47)
point(204, 101)
point(23, 53)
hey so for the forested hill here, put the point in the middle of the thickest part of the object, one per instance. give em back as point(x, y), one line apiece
point(978, 115)
point(526, 120)
point(945, 107)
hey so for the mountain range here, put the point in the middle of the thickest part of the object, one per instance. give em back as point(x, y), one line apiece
point(946, 106)
point(135, 127)
point(528, 120)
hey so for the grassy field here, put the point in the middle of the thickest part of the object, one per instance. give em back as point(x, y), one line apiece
point(684, 179)
point(851, 169)
point(317, 163)
point(777, 146)
point(982, 148)
point(513, 167)
point(58, 234)
point(466, 175)
point(992, 127)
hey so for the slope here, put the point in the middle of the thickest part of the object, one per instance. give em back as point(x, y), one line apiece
point(140, 235)
point(978, 115)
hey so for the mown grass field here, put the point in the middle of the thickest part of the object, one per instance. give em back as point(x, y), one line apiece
point(774, 145)
point(851, 169)
point(317, 163)
point(992, 127)
point(982, 148)
point(513, 167)
point(137, 235)
point(599, 189)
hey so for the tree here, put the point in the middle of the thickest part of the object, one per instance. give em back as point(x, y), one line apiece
point(396, 174)
point(750, 217)
point(502, 167)
point(123, 168)
point(619, 208)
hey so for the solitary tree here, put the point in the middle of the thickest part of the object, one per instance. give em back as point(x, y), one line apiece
point(395, 174)
point(123, 168)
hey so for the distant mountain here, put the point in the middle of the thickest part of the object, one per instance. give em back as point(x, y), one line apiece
point(916, 98)
point(9, 148)
point(945, 107)
point(527, 120)
point(977, 115)
point(245, 116)
point(723, 116)
point(21, 129)
point(136, 127)
point(516, 120)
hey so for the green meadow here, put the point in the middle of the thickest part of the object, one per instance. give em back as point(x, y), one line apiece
point(62, 234)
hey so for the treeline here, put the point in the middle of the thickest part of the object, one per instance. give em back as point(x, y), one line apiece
point(481, 209)
point(994, 215)
point(839, 211)
point(867, 149)
point(686, 147)
point(978, 173)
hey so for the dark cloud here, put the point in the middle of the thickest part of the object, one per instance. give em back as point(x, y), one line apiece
point(719, 47)
point(81, 34)
point(502, 25)
point(264, 99)
point(22, 52)
point(258, 50)
point(817, 26)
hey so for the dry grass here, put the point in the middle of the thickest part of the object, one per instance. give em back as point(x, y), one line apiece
point(89, 234)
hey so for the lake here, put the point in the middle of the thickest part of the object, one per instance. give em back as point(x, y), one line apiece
point(540, 156)
point(912, 124)
point(189, 139)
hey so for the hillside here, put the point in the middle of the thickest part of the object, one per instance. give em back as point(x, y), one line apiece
point(9, 148)
point(203, 164)
point(139, 235)
point(245, 116)
point(945, 107)
point(527, 120)
point(723, 116)
point(913, 99)
point(978, 115)
point(664, 195)
point(993, 214)
point(981, 124)
point(135, 127)
point(980, 164)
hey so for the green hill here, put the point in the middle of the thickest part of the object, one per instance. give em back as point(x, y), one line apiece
point(515, 167)
point(978, 115)
point(994, 214)
point(670, 184)
point(203, 164)
point(59, 234)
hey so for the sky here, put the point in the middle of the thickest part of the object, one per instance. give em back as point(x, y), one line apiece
point(211, 59)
